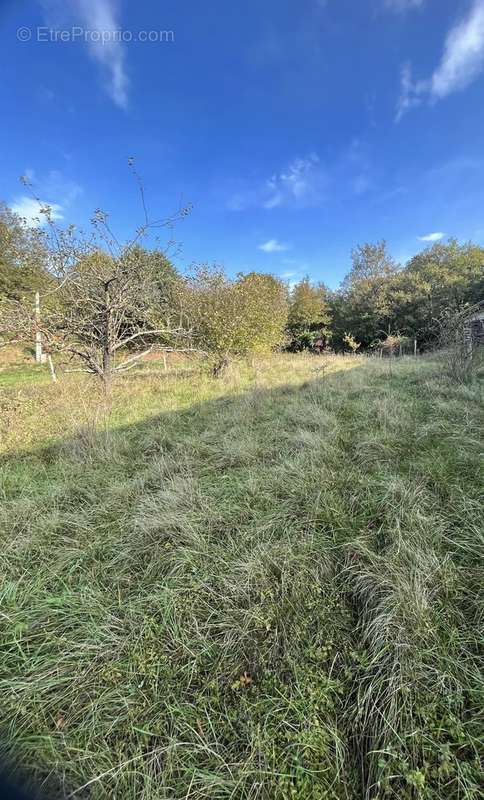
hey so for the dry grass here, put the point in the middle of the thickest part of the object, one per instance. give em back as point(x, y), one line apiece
point(266, 586)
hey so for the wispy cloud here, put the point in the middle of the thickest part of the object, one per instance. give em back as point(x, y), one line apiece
point(307, 183)
point(432, 237)
point(45, 95)
point(410, 92)
point(273, 246)
point(107, 51)
point(463, 57)
point(300, 184)
point(354, 168)
point(403, 5)
point(30, 210)
point(295, 184)
point(53, 190)
point(462, 61)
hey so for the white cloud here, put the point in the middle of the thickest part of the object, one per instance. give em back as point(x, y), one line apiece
point(410, 95)
point(294, 184)
point(300, 184)
point(44, 190)
point(403, 5)
point(462, 61)
point(463, 57)
point(273, 246)
point(98, 16)
point(306, 182)
point(274, 201)
point(432, 237)
point(30, 209)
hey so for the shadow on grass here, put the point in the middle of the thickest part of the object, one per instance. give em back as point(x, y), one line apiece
point(187, 594)
point(120, 527)
point(235, 405)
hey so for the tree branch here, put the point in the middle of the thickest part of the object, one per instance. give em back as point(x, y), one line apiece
point(132, 360)
point(153, 332)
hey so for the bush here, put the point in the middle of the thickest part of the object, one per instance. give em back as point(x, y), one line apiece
point(235, 317)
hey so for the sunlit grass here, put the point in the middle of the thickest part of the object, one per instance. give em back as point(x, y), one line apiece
point(265, 586)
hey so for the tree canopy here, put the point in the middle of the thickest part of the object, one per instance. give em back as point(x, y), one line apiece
point(23, 257)
point(248, 314)
point(134, 296)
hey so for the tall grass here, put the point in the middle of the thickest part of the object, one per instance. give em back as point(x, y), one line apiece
point(266, 586)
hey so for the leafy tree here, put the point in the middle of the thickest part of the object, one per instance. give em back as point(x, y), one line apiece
point(442, 278)
point(309, 308)
point(309, 314)
point(371, 262)
point(377, 297)
point(23, 257)
point(264, 311)
point(365, 304)
point(240, 316)
point(165, 288)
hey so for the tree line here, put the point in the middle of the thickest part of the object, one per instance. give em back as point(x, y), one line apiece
point(105, 305)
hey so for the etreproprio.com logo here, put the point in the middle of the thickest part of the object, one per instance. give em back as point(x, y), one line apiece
point(95, 36)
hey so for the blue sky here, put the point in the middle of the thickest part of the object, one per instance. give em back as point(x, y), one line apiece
point(297, 128)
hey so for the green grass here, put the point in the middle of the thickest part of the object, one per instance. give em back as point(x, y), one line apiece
point(18, 368)
point(266, 586)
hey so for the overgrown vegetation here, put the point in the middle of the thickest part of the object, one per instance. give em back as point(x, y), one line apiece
point(261, 586)
point(96, 292)
point(264, 586)
point(380, 298)
point(241, 316)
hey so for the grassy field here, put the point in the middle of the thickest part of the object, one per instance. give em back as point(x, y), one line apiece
point(263, 586)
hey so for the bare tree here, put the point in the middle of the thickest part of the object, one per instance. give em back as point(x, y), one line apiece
point(109, 304)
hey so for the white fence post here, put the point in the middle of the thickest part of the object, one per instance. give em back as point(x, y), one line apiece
point(52, 368)
point(38, 335)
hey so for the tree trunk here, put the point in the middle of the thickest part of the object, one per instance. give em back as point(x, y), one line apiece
point(106, 361)
point(221, 366)
point(106, 372)
point(107, 349)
